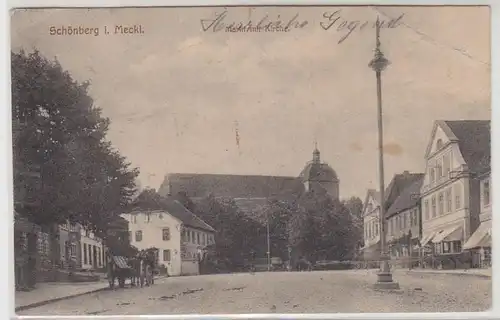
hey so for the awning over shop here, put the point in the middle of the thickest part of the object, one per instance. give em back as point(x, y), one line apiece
point(481, 237)
point(426, 237)
point(449, 234)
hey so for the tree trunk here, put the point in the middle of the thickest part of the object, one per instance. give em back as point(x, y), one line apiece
point(55, 249)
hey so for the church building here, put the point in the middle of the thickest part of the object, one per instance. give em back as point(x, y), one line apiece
point(250, 192)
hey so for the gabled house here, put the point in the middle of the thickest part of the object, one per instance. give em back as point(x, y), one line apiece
point(450, 194)
point(178, 233)
point(404, 221)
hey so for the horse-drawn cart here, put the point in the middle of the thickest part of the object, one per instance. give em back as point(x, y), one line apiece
point(118, 268)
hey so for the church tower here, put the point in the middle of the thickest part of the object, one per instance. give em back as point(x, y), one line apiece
point(318, 176)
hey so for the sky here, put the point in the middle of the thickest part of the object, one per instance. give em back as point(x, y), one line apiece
point(178, 96)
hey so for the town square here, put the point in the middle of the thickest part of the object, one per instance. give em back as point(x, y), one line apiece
point(305, 169)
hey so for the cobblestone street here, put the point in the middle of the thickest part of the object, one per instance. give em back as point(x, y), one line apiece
point(306, 292)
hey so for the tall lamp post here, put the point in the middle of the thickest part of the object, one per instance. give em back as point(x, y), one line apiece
point(268, 243)
point(378, 64)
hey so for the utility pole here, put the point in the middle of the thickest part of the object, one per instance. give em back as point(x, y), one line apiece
point(268, 244)
point(378, 64)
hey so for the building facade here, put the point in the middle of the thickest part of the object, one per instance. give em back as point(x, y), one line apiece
point(80, 248)
point(92, 251)
point(480, 241)
point(177, 233)
point(404, 224)
point(371, 211)
point(371, 226)
point(450, 193)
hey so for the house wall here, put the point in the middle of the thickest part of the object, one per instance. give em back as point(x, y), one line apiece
point(371, 230)
point(444, 165)
point(401, 224)
point(371, 223)
point(192, 240)
point(88, 243)
point(151, 226)
point(485, 199)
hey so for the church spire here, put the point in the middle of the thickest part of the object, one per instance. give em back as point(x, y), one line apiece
point(316, 158)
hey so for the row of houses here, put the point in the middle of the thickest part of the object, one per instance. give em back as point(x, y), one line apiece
point(179, 235)
point(441, 217)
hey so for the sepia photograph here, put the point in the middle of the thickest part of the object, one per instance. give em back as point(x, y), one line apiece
point(251, 160)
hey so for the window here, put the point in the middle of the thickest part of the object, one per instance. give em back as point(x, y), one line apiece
point(458, 197)
point(90, 254)
point(43, 243)
point(439, 168)
point(433, 206)
point(486, 192)
point(85, 259)
point(438, 247)
point(99, 261)
point(376, 228)
point(448, 200)
point(188, 236)
point(166, 234)
point(166, 255)
point(432, 174)
point(426, 209)
point(439, 144)
point(457, 246)
point(147, 217)
point(134, 218)
point(138, 236)
point(441, 203)
point(160, 215)
point(446, 247)
point(197, 238)
point(446, 166)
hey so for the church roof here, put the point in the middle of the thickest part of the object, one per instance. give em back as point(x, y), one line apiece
point(224, 185)
point(322, 172)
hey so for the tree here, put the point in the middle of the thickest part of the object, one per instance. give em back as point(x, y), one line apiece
point(355, 207)
point(82, 178)
point(236, 234)
point(321, 228)
point(148, 199)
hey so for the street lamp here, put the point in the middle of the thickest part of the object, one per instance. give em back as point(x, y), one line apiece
point(289, 258)
point(268, 244)
point(378, 64)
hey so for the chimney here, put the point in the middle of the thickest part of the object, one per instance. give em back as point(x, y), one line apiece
point(406, 173)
